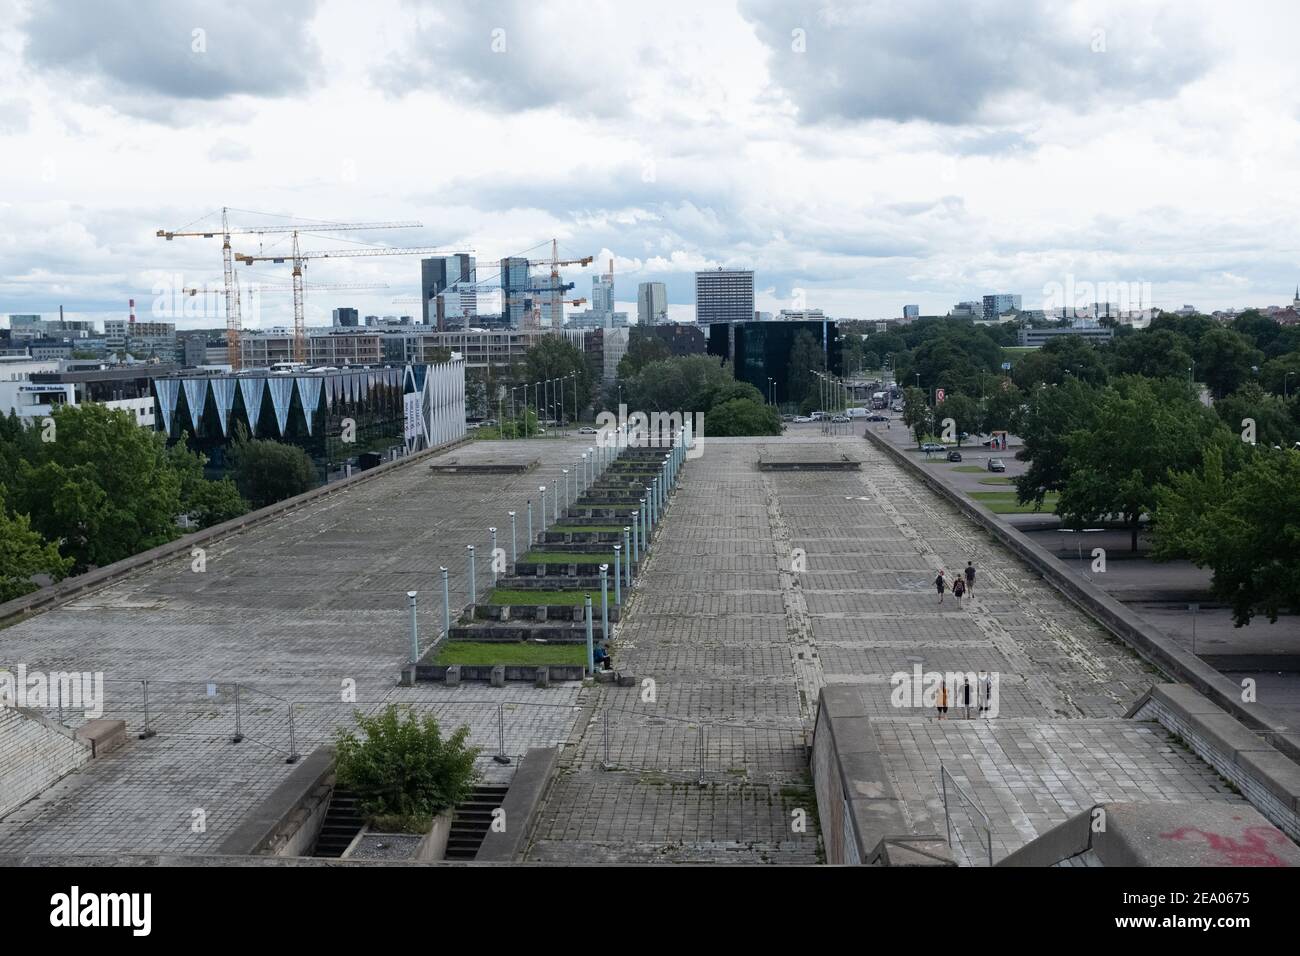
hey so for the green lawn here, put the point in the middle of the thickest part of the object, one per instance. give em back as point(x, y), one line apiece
point(594, 527)
point(1004, 503)
point(969, 469)
point(486, 652)
point(571, 557)
point(996, 480)
point(505, 596)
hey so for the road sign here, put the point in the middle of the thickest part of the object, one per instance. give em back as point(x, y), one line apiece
point(938, 396)
point(1006, 366)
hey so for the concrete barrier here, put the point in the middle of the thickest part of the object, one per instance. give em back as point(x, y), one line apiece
point(520, 806)
point(287, 821)
point(1146, 641)
point(1160, 834)
point(1266, 777)
point(19, 608)
point(859, 812)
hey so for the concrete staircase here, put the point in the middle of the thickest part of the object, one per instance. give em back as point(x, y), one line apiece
point(341, 825)
point(472, 820)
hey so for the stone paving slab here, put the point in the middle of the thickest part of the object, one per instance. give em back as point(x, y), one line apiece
point(290, 609)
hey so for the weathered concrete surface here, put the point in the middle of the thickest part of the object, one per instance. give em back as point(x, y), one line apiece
point(308, 608)
point(1163, 834)
point(739, 644)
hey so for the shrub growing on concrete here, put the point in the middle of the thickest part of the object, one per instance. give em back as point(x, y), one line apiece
point(404, 771)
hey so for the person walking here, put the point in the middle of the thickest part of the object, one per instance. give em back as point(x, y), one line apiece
point(958, 588)
point(970, 578)
point(965, 695)
point(940, 585)
point(942, 699)
point(988, 692)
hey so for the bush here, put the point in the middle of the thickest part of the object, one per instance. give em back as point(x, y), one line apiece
point(269, 471)
point(405, 772)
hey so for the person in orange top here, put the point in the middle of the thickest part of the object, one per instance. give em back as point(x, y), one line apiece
point(943, 699)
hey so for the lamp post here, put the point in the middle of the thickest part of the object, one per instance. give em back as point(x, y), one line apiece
point(493, 532)
point(415, 637)
point(514, 550)
point(473, 591)
point(542, 490)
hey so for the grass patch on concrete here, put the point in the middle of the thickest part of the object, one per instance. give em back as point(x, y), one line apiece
point(969, 469)
point(1004, 503)
point(997, 480)
point(506, 596)
point(566, 557)
point(487, 652)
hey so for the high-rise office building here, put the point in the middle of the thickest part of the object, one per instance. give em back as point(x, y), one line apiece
point(911, 311)
point(651, 303)
point(995, 305)
point(724, 295)
point(435, 276)
point(346, 318)
point(515, 292)
point(602, 293)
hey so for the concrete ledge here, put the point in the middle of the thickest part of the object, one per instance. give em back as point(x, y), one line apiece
point(1163, 834)
point(11, 612)
point(1268, 778)
point(860, 814)
point(521, 803)
point(1145, 640)
point(272, 826)
point(454, 467)
point(103, 735)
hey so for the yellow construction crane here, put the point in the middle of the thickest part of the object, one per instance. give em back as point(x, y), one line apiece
point(232, 294)
point(557, 289)
point(299, 260)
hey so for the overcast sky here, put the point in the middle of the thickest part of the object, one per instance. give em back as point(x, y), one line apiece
point(857, 156)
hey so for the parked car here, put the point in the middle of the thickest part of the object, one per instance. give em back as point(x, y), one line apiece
point(877, 418)
point(933, 446)
point(471, 426)
point(816, 416)
point(840, 420)
point(997, 464)
point(802, 419)
point(586, 430)
point(954, 456)
point(787, 418)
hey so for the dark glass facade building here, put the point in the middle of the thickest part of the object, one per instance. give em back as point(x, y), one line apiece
point(758, 351)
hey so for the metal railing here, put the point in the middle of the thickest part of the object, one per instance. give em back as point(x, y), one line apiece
point(944, 777)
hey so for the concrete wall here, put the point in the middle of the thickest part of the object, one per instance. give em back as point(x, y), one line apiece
point(287, 821)
point(34, 753)
point(856, 804)
point(1267, 778)
point(1148, 642)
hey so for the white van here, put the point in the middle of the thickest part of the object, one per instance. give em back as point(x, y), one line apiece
point(857, 412)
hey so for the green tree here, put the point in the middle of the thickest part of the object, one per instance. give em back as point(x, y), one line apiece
point(964, 412)
point(25, 554)
point(917, 414)
point(689, 383)
point(1157, 353)
point(1225, 359)
point(1115, 466)
point(1050, 414)
point(1274, 424)
point(404, 771)
point(1281, 375)
point(556, 358)
point(1001, 406)
point(268, 471)
point(206, 502)
point(742, 416)
point(643, 347)
point(1240, 525)
point(104, 488)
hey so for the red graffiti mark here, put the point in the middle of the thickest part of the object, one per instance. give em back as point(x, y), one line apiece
point(1251, 850)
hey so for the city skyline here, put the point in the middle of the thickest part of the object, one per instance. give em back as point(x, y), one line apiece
point(855, 196)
